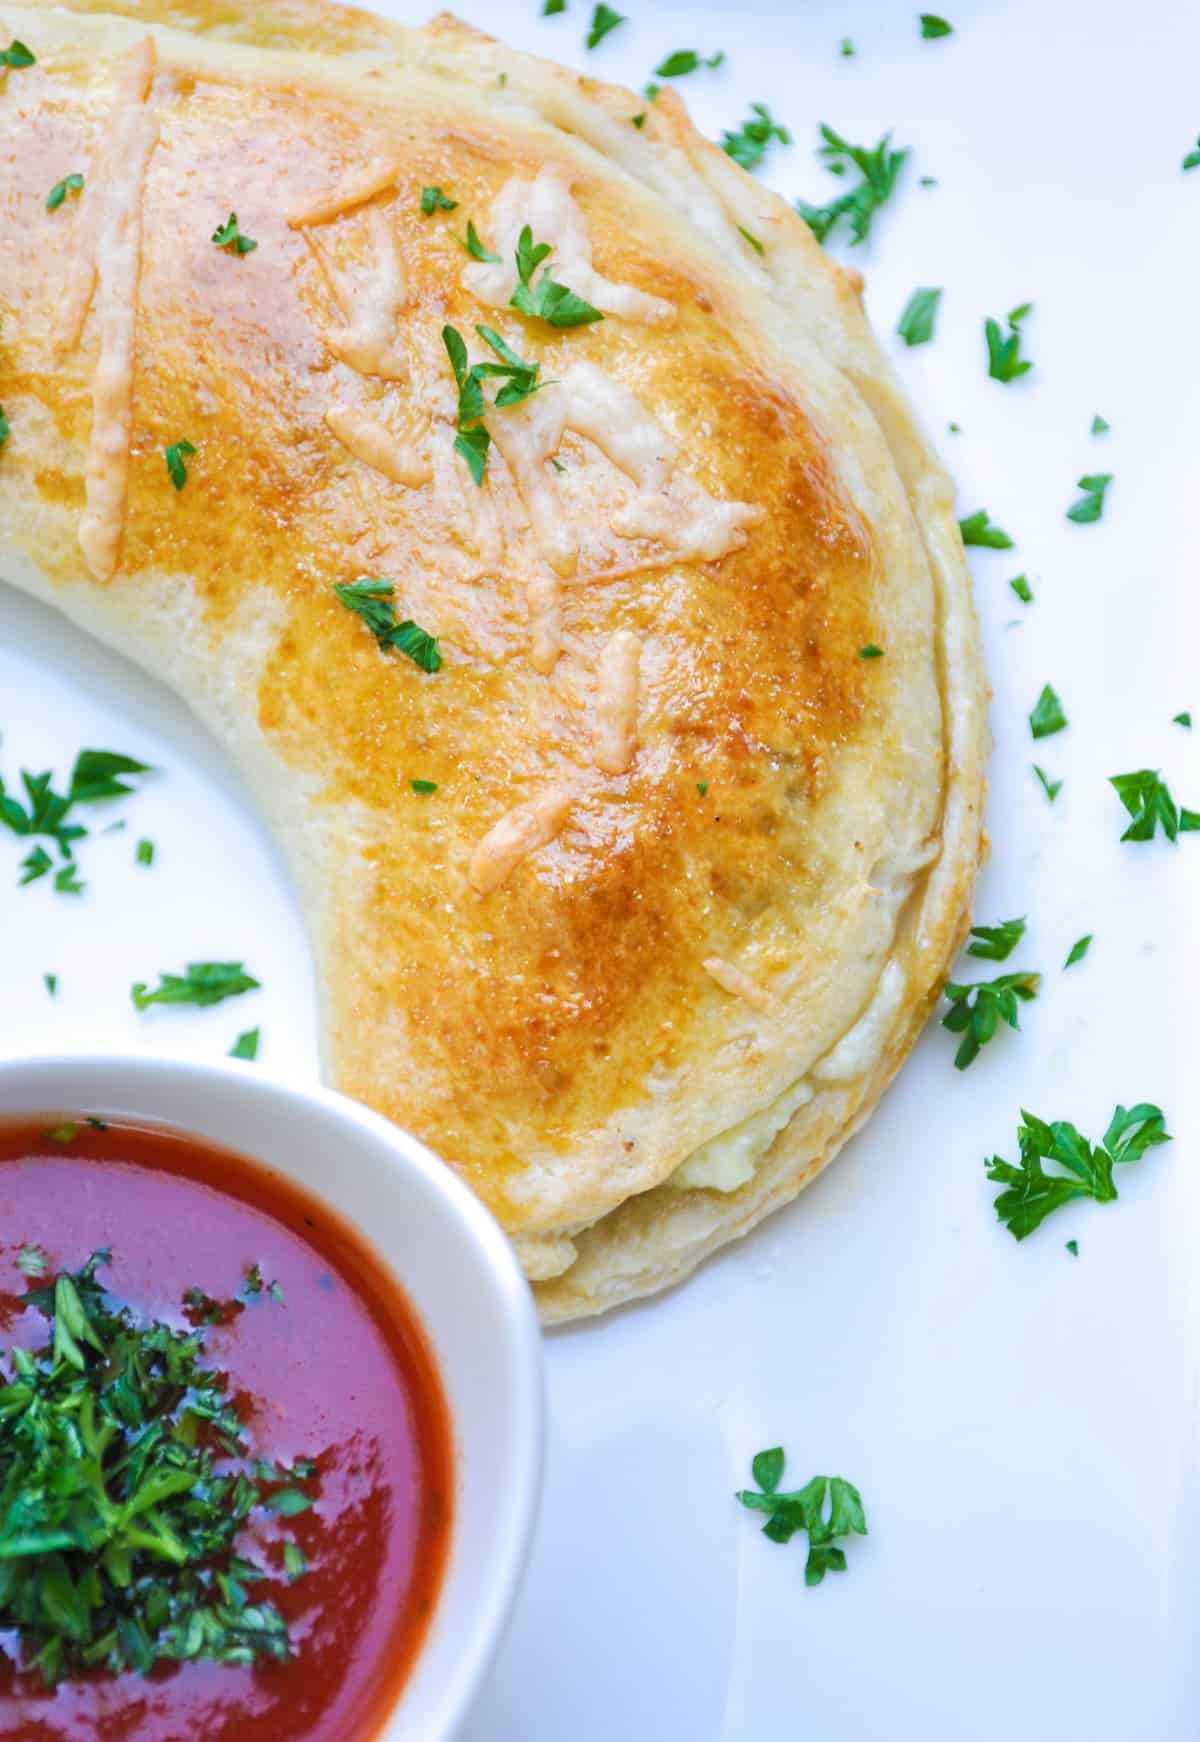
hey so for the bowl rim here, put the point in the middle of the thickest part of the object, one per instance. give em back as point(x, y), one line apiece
point(514, 1303)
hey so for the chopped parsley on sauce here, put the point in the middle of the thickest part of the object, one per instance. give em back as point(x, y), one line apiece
point(229, 237)
point(933, 27)
point(128, 1476)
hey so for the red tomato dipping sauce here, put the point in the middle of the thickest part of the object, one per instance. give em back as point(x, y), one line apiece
point(322, 1359)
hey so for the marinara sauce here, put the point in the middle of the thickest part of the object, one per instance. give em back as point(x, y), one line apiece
point(337, 1370)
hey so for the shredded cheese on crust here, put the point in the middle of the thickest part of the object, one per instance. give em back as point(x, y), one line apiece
point(614, 734)
point(369, 342)
point(545, 204)
point(355, 189)
point(118, 260)
point(520, 832)
point(738, 984)
point(135, 75)
point(374, 444)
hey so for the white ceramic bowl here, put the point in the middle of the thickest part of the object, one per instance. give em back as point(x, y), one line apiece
point(452, 1261)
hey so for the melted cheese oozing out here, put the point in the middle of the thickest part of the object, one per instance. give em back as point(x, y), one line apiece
point(520, 832)
point(614, 736)
point(118, 259)
point(355, 189)
point(374, 444)
point(737, 983)
point(730, 1159)
point(861, 1045)
point(137, 69)
point(369, 342)
point(545, 204)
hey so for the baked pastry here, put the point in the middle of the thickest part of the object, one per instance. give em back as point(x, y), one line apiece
point(695, 867)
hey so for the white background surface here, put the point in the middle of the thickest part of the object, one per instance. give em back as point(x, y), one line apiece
point(1020, 1422)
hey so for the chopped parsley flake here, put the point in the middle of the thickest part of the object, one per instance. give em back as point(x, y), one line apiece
point(1149, 802)
point(475, 247)
point(878, 169)
point(1192, 160)
point(977, 528)
point(1051, 788)
point(932, 27)
point(423, 787)
point(50, 981)
point(1184, 719)
point(145, 853)
point(685, 61)
point(604, 21)
point(748, 145)
point(804, 1510)
point(639, 121)
point(1073, 1248)
point(228, 236)
point(16, 55)
point(97, 774)
point(1020, 586)
point(246, 1045)
point(551, 7)
point(996, 943)
point(1100, 426)
point(846, 48)
point(1047, 717)
point(201, 983)
point(546, 301)
point(702, 787)
point(1032, 1194)
point(1079, 950)
point(916, 324)
point(977, 1009)
point(174, 456)
point(434, 200)
point(66, 881)
point(70, 184)
point(1090, 505)
point(1005, 362)
point(5, 427)
point(870, 651)
point(371, 600)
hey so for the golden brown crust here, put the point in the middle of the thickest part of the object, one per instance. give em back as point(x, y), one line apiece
point(558, 1038)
